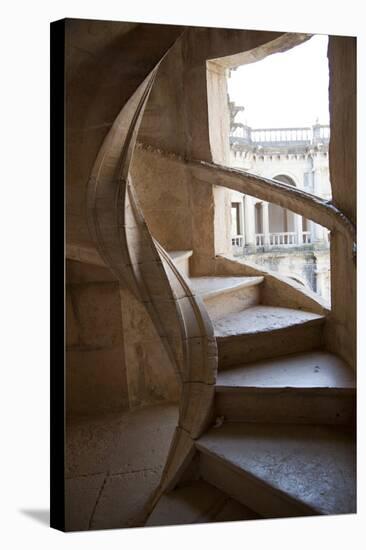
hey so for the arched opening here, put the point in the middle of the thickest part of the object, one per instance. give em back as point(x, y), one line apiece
point(284, 149)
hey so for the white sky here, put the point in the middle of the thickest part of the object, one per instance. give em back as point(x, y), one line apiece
point(285, 89)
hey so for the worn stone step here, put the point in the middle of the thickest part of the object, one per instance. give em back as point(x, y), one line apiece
point(197, 502)
point(312, 387)
point(261, 332)
point(282, 470)
point(181, 260)
point(226, 295)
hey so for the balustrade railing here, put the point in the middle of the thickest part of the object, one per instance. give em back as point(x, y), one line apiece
point(303, 135)
point(237, 240)
point(323, 132)
point(259, 239)
point(272, 135)
point(284, 238)
point(306, 237)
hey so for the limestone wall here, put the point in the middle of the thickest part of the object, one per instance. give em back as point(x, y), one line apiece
point(341, 335)
point(163, 190)
point(95, 364)
point(179, 209)
point(114, 358)
point(342, 107)
point(99, 80)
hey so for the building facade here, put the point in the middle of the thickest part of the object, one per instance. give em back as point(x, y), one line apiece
point(268, 234)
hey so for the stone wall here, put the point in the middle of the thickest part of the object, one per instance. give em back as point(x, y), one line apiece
point(151, 377)
point(96, 379)
point(342, 52)
point(178, 208)
point(310, 267)
point(97, 55)
point(114, 358)
point(341, 335)
point(163, 191)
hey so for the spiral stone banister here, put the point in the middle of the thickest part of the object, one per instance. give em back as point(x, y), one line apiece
point(297, 200)
point(126, 246)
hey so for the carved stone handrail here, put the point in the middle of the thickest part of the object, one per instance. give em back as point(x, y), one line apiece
point(126, 246)
point(308, 205)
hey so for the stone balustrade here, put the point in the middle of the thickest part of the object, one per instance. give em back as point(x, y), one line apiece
point(278, 239)
point(299, 136)
point(237, 241)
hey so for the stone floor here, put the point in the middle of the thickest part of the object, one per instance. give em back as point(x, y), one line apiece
point(113, 464)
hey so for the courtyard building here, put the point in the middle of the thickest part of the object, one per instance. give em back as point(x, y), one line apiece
point(265, 233)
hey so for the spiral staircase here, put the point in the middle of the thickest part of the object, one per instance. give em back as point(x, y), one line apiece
point(282, 441)
point(267, 414)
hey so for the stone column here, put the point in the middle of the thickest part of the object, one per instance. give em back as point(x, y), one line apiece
point(222, 220)
point(317, 232)
point(249, 222)
point(242, 220)
point(317, 180)
point(320, 283)
point(298, 229)
point(312, 230)
point(265, 223)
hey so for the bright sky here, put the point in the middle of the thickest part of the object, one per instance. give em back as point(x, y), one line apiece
point(285, 89)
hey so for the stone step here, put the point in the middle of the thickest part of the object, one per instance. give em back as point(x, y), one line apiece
point(181, 260)
point(313, 387)
point(263, 332)
point(225, 295)
point(282, 470)
point(197, 502)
